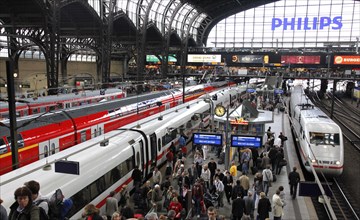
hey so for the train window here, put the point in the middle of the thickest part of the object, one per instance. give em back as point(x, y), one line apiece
point(83, 136)
point(3, 148)
point(52, 108)
point(46, 151)
point(138, 158)
point(159, 144)
point(42, 109)
point(95, 132)
point(20, 141)
point(115, 175)
point(100, 131)
point(53, 148)
point(67, 105)
point(97, 187)
point(17, 114)
point(35, 111)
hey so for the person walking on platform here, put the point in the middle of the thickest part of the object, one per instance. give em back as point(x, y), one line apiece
point(294, 179)
point(205, 175)
point(219, 187)
point(212, 167)
point(264, 207)
point(245, 183)
point(272, 155)
point(233, 170)
point(278, 205)
point(228, 181)
point(238, 207)
point(265, 161)
point(137, 177)
point(156, 198)
point(23, 208)
point(249, 206)
point(111, 205)
point(157, 176)
point(258, 188)
point(3, 212)
point(267, 179)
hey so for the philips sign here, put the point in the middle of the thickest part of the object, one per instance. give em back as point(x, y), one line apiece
point(306, 23)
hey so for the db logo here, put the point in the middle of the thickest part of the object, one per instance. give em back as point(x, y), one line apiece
point(338, 60)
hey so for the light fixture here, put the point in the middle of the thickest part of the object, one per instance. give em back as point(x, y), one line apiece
point(47, 166)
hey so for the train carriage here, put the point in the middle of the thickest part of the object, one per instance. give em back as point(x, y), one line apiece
point(320, 139)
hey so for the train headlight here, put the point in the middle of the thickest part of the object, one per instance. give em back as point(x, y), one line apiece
point(337, 162)
point(313, 161)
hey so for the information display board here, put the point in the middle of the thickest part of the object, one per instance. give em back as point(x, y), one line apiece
point(208, 139)
point(246, 141)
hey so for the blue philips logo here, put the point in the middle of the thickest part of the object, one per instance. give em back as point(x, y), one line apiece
point(306, 23)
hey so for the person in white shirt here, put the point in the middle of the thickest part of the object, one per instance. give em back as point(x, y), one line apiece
point(157, 177)
point(111, 205)
point(37, 198)
point(277, 205)
point(219, 186)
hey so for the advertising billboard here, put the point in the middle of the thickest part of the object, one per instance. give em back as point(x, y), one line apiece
point(209, 139)
point(249, 59)
point(204, 58)
point(346, 60)
point(246, 141)
point(300, 59)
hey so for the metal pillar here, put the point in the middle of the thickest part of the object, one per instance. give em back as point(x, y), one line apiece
point(12, 113)
point(333, 99)
point(227, 149)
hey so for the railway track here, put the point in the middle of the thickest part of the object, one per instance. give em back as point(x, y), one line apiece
point(345, 199)
point(340, 204)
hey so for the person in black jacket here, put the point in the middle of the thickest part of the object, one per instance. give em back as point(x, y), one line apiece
point(264, 207)
point(238, 207)
point(294, 179)
point(137, 177)
point(23, 208)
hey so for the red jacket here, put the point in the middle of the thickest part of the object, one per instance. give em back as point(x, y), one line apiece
point(176, 206)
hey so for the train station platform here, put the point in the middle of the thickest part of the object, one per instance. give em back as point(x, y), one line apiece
point(295, 209)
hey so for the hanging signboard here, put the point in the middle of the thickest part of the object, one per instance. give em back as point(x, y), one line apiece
point(204, 58)
point(347, 60)
point(248, 59)
point(208, 139)
point(246, 141)
point(300, 59)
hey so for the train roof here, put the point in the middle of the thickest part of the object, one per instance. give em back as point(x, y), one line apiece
point(58, 116)
point(309, 112)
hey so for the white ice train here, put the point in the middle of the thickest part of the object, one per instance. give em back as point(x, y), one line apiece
point(106, 168)
point(320, 139)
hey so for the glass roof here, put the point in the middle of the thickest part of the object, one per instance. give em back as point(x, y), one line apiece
point(290, 24)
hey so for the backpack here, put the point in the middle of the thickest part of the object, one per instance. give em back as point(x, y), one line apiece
point(42, 212)
point(55, 205)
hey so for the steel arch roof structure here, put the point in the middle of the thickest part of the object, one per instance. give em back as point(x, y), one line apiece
point(82, 19)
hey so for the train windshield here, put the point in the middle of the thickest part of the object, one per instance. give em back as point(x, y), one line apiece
point(324, 138)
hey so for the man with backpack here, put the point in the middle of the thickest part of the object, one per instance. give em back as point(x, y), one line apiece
point(38, 199)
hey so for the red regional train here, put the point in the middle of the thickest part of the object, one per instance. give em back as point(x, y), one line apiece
point(30, 106)
point(41, 136)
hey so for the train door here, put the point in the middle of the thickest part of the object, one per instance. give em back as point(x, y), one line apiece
point(97, 130)
point(153, 152)
point(141, 157)
point(48, 148)
point(167, 106)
